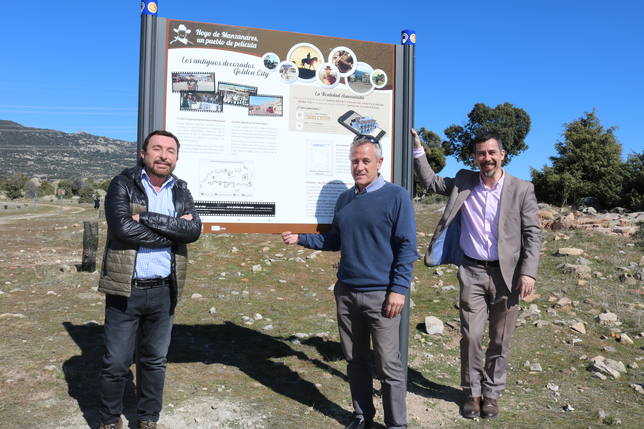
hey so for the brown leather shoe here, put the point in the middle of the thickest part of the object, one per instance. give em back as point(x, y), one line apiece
point(472, 407)
point(490, 408)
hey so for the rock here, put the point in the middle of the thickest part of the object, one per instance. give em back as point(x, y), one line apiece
point(607, 366)
point(625, 339)
point(583, 261)
point(532, 310)
point(65, 268)
point(268, 327)
point(256, 268)
point(563, 302)
point(314, 254)
point(607, 318)
point(582, 271)
point(50, 368)
point(196, 296)
point(637, 387)
point(599, 375)
point(582, 283)
point(609, 349)
point(433, 325)
point(531, 298)
point(639, 275)
point(564, 222)
point(541, 323)
point(535, 367)
point(212, 310)
point(625, 230)
point(14, 315)
point(265, 249)
point(448, 288)
point(257, 316)
point(579, 327)
point(569, 251)
point(627, 278)
point(546, 213)
point(552, 386)
point(616, 365)
point(568, 408)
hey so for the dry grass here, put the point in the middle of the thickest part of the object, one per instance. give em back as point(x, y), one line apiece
point(49, 359)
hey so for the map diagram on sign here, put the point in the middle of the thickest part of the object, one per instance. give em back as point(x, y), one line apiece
point(225, 179)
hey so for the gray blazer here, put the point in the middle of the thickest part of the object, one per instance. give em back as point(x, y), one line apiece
point(519, 242)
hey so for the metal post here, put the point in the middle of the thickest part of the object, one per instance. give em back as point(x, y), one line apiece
point(405, 173)
point(151, 72)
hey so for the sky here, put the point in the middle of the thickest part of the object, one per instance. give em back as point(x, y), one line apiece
point(73, 65)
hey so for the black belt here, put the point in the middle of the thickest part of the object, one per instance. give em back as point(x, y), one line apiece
point(483, 263)
point(150, 283)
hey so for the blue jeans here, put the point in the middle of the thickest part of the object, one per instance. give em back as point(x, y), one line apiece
point(150, 312)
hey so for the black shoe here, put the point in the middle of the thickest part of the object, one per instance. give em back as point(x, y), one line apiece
point(360, 423)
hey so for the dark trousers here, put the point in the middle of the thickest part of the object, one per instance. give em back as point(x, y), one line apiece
point(151, 312)
point(484, 298)
point(360, 321)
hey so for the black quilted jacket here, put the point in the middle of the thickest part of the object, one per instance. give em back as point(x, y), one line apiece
point(125, 197)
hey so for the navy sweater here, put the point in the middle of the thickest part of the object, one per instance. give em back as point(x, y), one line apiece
point(376, 234)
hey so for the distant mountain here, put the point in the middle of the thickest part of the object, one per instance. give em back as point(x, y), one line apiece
point(55, 154)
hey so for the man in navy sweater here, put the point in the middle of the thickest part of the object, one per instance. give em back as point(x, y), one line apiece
point(375, 231)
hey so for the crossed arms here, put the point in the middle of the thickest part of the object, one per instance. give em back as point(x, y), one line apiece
point(148, 229)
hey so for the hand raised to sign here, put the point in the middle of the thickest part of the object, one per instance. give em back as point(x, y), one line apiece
point(417, 143)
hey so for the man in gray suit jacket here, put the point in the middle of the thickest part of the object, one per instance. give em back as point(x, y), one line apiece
point(491, 229)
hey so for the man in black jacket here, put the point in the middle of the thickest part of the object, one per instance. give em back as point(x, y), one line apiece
point(150, 219)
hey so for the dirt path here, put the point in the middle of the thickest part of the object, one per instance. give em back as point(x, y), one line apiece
point(217, 414)
point(55, 210)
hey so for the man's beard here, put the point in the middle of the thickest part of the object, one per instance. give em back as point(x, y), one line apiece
point(488, 173)
point(162, 173)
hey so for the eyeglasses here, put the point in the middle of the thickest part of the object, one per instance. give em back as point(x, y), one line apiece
point(366, 137)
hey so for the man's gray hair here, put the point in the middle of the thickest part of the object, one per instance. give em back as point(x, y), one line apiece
point(365, 140)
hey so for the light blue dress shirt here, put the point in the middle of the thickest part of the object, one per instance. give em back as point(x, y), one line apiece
point(156, 263)
point(378, 183)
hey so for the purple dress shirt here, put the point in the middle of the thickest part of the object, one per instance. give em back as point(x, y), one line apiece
point(480, 221)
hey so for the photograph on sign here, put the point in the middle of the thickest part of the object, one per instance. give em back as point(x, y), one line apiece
point(266, 120)
point(193, 81)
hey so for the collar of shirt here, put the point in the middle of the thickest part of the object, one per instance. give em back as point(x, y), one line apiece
point(497, 186)
point(169, 182)
point(373, 186)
